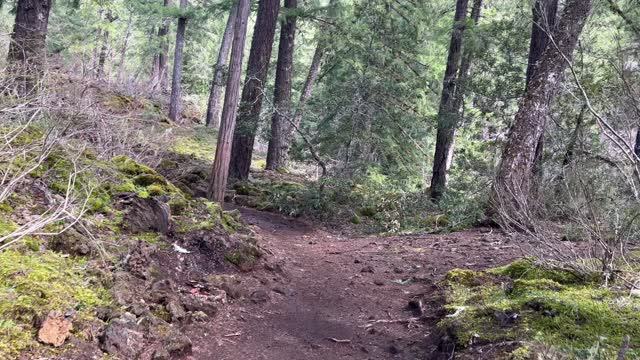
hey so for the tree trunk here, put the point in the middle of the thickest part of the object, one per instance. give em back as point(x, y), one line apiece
point(175, 101)
point(125, 46)
point(314, 70)
point(513, 180)
point(447, 113)
point(307, 89)
point(282, 91)
point(27, 50)
point(104, 50)
point(544, 21)
point(213, 108)
point(163, 55)
point(220, 170)
point(253, 91)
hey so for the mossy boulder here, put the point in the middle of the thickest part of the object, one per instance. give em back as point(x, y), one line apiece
point(526, 302)
point(32, 285)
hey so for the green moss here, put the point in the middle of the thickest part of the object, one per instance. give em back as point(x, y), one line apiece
point(356, 219)
point(128, 186)
point(521, 353)
point(369, 211)
point(156, 190)
point(7, 226)
point(149, 179)
point(548, 307)
point(130, 166)
point(151, 238)
point(525, 269)
point(31, 285)
point(244, 257)
point(465, 277)
point(6, 208)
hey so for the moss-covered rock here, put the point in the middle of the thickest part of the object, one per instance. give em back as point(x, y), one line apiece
point(32, 285)
point(525, 302)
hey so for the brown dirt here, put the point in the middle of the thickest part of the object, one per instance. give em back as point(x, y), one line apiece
point(336, 297)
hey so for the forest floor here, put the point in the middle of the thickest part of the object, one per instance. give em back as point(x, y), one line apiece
point(333, 296)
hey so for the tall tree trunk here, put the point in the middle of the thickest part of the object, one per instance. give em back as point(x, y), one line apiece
point(282, 90)
point(253, 91)
point(513, 181)
point(213, 108)
point(175, 101)
point(27, 50)
point(305, 95)
point(220, 170)
point(447, 113)
point(544, 21)
point(163, 55)
point(125, 46)
point(307, 89)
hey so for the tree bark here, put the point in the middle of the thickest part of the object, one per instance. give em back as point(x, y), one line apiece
point(253, 91)
point(513, 179)
point(213, 108)
point(176, 85)
point(282, 91)
point(447, 113)
point(544, 21)
point(220, 170)
point(27, 51)
point(162, 70)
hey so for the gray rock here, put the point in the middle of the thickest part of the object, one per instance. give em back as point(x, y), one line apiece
point(122, 337)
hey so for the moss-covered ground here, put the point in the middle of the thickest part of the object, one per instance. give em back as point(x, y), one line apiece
point(525, 302)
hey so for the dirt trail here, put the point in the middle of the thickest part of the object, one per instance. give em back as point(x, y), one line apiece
point(332, 287)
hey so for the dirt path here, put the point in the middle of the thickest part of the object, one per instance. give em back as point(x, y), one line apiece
point(333, 289)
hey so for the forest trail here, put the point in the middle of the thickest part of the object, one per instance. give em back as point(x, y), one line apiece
point(337, 297)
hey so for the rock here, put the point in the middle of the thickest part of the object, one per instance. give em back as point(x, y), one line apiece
point(178, 344)
point(635, 293)
point(367, 269)
point(416, 307)
point(283, 291)
point(161, 354)
point(259, 296)
point(122, 337)
point(71, 242)
point(145, 215)
point(161, 290)
point(122, 290)
point(193, 303)
point(378, 282)
point(55, 329)
point(176, 310)
point(199, 316)
point(229, 283)
point(398, 270)
point(138, 262)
